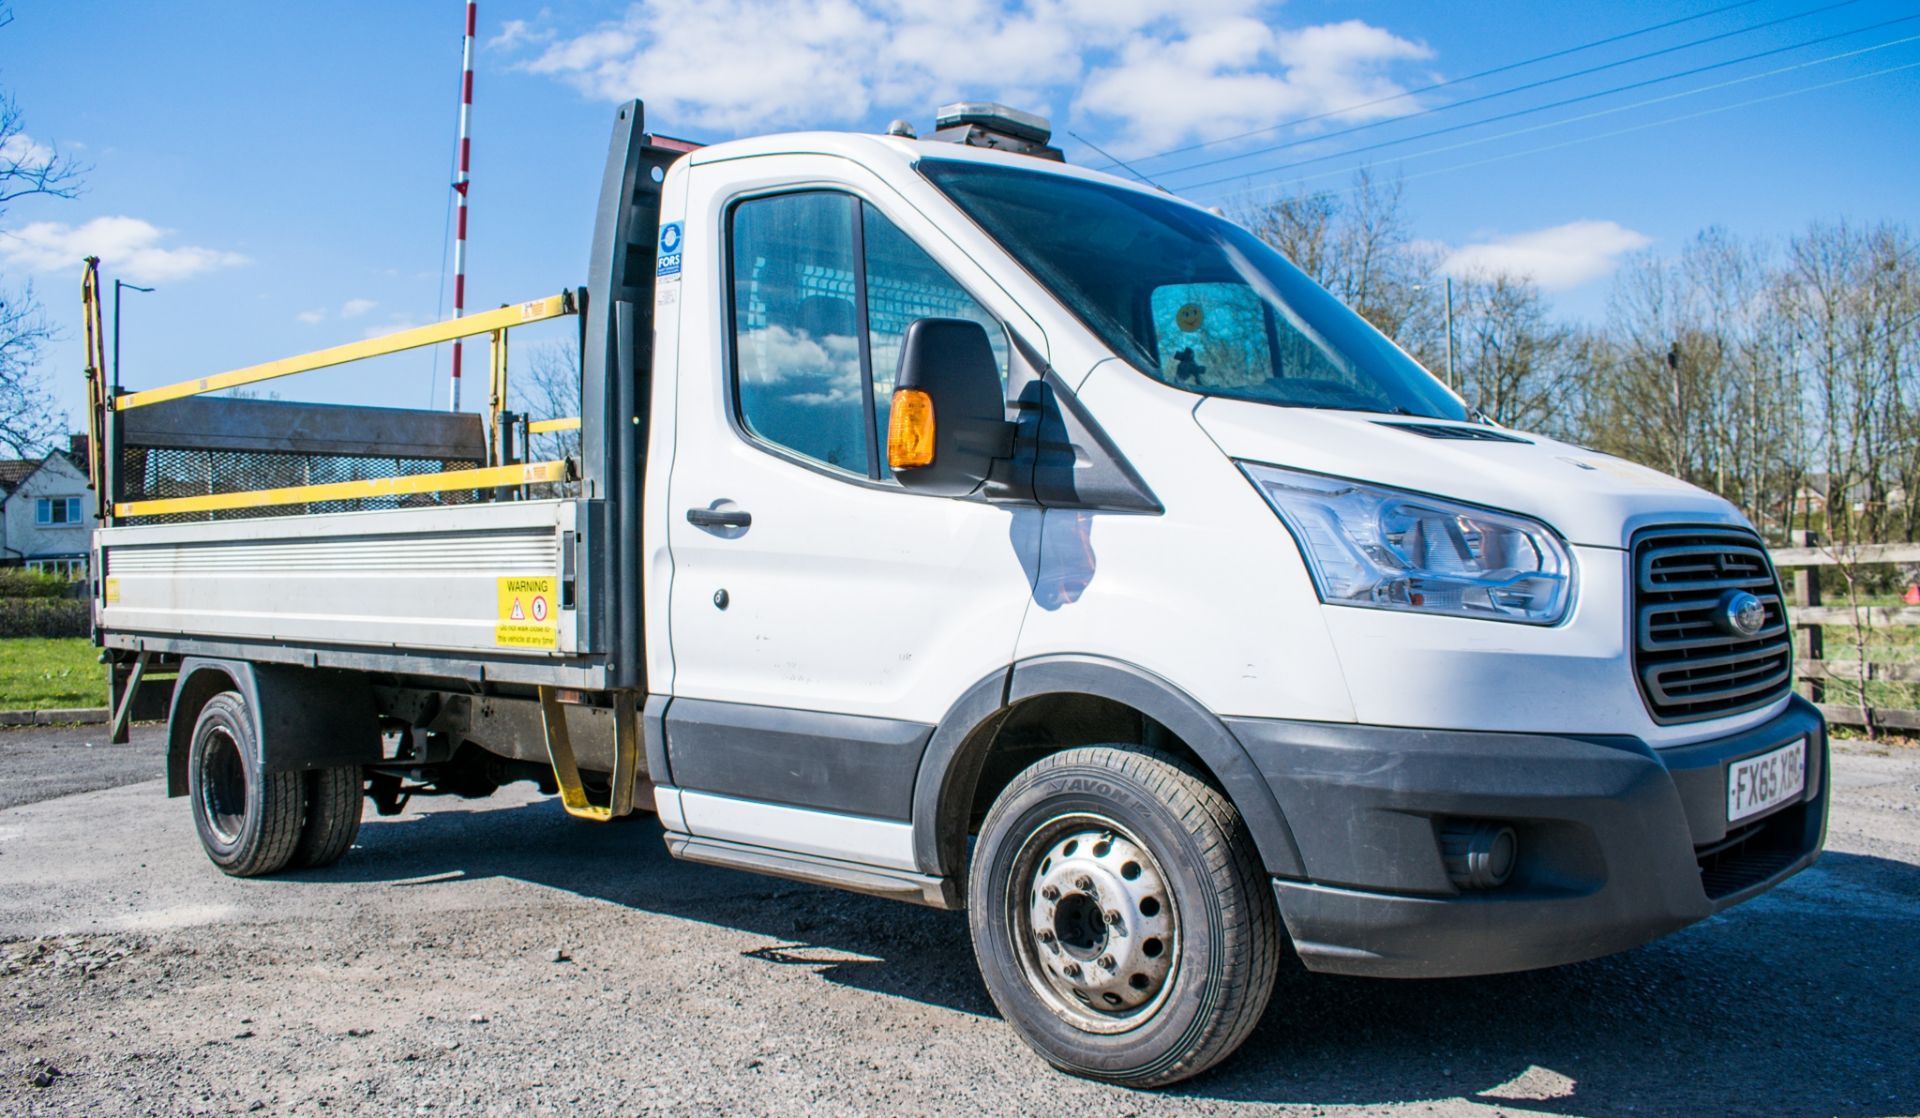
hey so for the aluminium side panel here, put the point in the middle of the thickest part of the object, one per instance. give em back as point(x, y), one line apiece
point(484, 578)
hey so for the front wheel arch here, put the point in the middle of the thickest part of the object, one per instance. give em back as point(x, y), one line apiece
point(946, 790)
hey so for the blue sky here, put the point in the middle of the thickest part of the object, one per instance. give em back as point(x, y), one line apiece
point(280, 172)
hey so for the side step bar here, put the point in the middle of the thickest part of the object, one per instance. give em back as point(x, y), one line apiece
point(566, 772)
point(896, 885)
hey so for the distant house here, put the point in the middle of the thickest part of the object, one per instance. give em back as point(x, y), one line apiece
point(1812, 495)
point(46, 512)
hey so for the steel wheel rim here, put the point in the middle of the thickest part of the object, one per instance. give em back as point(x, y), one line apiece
point(223, 786)
point(1094, 923)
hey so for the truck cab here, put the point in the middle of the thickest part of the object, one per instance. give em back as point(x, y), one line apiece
point(960, 526)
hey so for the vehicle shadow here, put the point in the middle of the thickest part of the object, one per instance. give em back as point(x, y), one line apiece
point(886, 947)
point(1797, 1003)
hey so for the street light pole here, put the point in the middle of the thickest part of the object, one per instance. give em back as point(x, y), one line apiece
point(1679, 455)
point(117, 285)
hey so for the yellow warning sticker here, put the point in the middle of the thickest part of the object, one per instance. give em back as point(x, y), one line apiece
point(113, 591)
point(527, 608)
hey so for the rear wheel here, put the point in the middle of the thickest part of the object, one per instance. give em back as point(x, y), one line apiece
point(1121, 919)
point(334, 796)
point(248, 821)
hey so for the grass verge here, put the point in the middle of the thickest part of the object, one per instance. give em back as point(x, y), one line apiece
point(47, 673)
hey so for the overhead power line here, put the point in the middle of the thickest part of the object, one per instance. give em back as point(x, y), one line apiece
point(1516, 113)
point(1403, 94)
point(1510, 90)
point(1505, 156)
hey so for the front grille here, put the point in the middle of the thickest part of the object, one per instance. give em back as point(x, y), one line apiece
point(1752, 854)
point(1690, 665)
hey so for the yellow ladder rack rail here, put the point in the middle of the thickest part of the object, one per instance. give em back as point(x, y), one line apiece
point(489, 477)
point(96, 371)
point(496, 394)
point(547, 426)
point(519, 314)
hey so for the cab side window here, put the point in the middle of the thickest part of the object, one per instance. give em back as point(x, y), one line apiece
point(824, 287)
point(904, 283)
point(797, 343)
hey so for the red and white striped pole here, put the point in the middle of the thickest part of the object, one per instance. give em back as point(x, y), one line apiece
point(460, 190)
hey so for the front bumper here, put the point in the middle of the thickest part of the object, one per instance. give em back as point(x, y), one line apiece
point(1619, 843)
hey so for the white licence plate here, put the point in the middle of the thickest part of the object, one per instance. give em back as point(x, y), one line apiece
point(1771, 779)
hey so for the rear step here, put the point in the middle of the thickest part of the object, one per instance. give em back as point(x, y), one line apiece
point(566, 773)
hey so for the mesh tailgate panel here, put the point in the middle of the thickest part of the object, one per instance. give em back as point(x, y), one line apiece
point(151, 474)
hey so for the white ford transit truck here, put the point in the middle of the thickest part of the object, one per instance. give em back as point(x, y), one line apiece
point(954, 525)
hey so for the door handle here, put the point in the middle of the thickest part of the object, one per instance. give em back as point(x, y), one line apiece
point(719, 518)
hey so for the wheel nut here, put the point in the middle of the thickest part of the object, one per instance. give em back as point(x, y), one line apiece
point(1051, 892)
point(1106, 962)
point(1113, 917)
point(1046, 935)
point(1071, 970)
point(1083, 883)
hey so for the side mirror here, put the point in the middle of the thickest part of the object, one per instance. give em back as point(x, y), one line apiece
point(949, 418)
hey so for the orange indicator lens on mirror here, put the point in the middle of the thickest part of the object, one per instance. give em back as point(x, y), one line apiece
point(910, 430)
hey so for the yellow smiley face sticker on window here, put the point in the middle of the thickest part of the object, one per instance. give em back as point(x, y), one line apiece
point(1189, 317)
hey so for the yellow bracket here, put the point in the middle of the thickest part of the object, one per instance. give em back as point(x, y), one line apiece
point(537, 310)
point(566, 773)
point(545, 426)
point(491, 477)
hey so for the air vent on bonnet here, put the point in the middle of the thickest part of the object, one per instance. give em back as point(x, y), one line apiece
point(1468, 433)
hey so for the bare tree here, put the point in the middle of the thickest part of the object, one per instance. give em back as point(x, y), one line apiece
point(27, 168)
point(549, 388)
point(1847, 296)
point(1512, 357)
point(26, 406)
point(1360, 245)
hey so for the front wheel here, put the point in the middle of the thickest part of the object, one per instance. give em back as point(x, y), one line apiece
point(1121, 919)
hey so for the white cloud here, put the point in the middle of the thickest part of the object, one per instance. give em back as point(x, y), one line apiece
point(775, 355)
point(394, 324)
point(516, 33)
point(354, 308)
point(128, 246)
point(1158, 72)
point(1557, 258)
point(313, 317)
point(1236, 74)
point(22, 150)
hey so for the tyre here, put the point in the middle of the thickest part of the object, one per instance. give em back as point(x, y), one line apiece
point(334, 796)
point(1122, 921)
point(249, 821)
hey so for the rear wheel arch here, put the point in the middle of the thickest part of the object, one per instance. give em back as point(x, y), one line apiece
point(959, 774)
point(302, 718)
point(198, 681)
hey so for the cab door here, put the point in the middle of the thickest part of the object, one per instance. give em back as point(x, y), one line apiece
point(822, 619)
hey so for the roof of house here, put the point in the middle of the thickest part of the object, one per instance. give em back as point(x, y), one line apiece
point(13, 471)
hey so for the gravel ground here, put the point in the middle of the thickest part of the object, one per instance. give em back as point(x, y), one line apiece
point(498, 957)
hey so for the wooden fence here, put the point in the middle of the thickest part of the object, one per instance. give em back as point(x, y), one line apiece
point(1809, 614)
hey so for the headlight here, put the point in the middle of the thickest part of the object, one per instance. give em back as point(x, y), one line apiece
point(1390, 549)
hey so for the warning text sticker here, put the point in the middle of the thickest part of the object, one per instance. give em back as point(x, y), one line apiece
point(525, 619)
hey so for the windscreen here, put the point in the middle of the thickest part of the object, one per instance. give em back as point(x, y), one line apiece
point(1192, 299)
